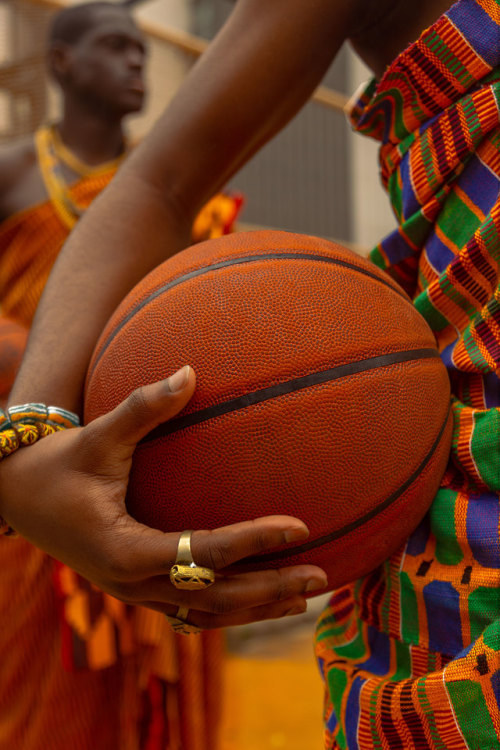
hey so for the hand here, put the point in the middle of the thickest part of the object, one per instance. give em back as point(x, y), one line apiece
point(66, 495)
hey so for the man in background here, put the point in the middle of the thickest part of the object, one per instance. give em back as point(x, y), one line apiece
point(84, 670)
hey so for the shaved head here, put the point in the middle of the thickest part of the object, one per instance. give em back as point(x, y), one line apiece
point(96, 54)
point(70, 24)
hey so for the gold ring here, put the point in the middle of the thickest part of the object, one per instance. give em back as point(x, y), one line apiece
point(185, 573)
point(179, 624)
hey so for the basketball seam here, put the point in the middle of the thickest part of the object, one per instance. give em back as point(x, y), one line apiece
point(239, 261)
point(286, 387)
point(348, 528)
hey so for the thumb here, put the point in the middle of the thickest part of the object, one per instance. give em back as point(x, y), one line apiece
point(146, 408)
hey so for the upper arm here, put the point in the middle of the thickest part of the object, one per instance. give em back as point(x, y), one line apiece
point(257, 73)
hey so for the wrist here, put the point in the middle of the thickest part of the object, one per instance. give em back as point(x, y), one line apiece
point(24, 425)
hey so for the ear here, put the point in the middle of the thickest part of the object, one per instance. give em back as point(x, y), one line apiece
point(59, 61)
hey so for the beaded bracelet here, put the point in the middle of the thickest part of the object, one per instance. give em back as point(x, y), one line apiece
point(24, 425)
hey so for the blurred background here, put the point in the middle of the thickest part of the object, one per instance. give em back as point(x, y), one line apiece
point(316, 177)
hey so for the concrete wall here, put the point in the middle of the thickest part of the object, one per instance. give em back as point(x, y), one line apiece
point(300, 180)
point(167, 67)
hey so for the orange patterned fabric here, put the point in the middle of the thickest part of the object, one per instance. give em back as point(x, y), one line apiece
point(164, 693)
point(31, 240)
point(80, 669)
point(41, 704)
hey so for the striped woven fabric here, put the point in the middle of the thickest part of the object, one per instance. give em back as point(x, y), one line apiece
point(411, 654)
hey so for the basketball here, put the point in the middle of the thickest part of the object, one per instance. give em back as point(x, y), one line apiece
point(13, 337)
point(320, 394)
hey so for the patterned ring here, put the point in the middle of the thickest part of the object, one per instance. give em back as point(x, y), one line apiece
point(185, 573)
point(179, 624)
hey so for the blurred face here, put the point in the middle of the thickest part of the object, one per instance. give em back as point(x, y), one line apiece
point(105, 66)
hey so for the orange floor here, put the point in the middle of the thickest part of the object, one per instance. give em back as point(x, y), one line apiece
point(273, 690)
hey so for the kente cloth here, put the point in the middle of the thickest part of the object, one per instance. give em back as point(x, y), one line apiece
point(80, 669)
point(410, 654)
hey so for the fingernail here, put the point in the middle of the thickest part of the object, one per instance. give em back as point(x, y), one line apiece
point(314, 584)
point(178, 380)
point(298, 610)
point(296, 534)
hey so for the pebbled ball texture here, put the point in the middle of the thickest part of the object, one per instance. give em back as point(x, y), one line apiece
point(320, 394)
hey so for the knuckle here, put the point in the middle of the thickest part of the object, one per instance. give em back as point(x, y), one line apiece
point(208, 622)
point(137, 402)
point(118, 566)
point(283, 588)
point(260, 540)
point(218, 553)
point(86, 443)
point(122, 592)
point(221, 605)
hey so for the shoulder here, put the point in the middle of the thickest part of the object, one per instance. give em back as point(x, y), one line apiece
point(16, 160)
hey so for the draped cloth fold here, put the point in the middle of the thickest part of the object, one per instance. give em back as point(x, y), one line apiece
point(80, 669)
point(411, 653)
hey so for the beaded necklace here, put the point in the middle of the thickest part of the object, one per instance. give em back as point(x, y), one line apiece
point(52, 155)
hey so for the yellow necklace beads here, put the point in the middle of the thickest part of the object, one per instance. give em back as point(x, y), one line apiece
point(52, 154)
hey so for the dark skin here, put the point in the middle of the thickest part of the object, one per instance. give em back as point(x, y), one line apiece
point(220, 117)
point(390, 26)
point(101, 80)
